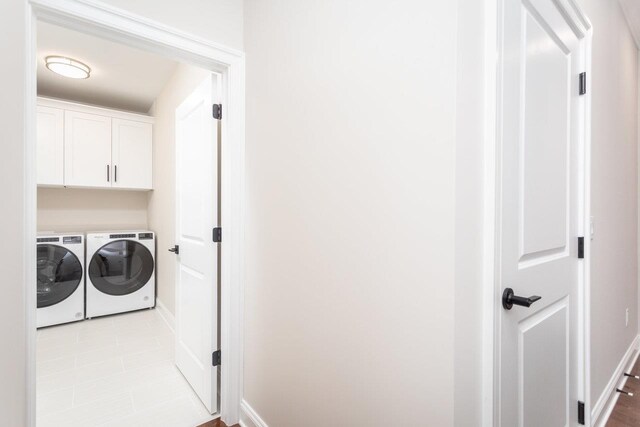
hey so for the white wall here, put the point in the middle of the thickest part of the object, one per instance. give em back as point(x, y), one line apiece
point(220, 21)
point(67, 209)
point(350, 212)
point(614, 265)
point(162, 203)
point(13, 357)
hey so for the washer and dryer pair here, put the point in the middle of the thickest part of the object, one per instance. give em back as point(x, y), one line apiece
point(120, 275)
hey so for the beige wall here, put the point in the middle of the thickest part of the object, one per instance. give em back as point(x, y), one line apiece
point(13, 356)
point(350, 161)
point(67, 209)
point(220, 21)
point(614, 280)
point(162, 204)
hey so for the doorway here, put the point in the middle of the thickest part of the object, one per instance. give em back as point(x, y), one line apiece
point(228, 64)
point(110, 197)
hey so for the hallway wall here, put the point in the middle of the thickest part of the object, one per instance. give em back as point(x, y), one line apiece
point(614, 204)
point(219, 21)
point(350, 157)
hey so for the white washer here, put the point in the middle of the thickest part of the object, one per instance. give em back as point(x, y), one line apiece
point(60, 278)
point(120, 272)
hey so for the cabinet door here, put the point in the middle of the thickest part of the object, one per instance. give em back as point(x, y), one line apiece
point(50, 151)
point(87, 150)
point(131, 154)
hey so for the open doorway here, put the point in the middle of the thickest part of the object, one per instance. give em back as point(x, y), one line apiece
point(128, 330)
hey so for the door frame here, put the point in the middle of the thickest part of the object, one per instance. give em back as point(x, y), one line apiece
point(102, 20)
point(491, 283)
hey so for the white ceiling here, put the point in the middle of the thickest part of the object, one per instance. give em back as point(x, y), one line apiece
point(631, 10)
point(121, 77)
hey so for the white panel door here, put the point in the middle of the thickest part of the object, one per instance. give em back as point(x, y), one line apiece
point(540, 367)
point(196, 216)
point(50, 151)
point(131, 154)
point(87, 150)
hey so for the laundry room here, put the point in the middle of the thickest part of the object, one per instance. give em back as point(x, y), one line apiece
point(128, 200)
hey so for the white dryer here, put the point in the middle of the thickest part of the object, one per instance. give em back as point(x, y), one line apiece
point(120, 272)
point(60, 278)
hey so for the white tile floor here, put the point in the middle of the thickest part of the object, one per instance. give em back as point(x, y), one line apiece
point(113, 371)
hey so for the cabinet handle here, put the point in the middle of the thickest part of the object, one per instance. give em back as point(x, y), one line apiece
point(115, 173)
point(107, 173)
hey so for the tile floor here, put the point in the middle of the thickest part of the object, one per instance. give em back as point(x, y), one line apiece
point(113, 371)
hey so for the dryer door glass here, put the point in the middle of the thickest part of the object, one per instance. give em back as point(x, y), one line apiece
point(121, 267)
point(59, 274)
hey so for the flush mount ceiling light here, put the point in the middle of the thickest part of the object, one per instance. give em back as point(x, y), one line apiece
point(67, 67)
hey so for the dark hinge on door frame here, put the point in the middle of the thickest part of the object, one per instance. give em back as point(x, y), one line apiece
point(580, 247)
point(583, 83)
point(216, 358)
point(217, 234)
point(581, 413)
point(217, 111)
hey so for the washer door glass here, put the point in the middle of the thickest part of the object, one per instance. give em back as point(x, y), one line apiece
point(59, 274)
point(121, 267)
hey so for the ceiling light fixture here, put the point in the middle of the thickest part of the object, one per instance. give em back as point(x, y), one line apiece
point(67, 67)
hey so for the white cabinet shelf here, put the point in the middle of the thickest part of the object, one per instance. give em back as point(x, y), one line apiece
point(92, 147)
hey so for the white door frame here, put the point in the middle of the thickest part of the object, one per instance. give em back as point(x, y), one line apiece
point(492, 286)
point(115, 24)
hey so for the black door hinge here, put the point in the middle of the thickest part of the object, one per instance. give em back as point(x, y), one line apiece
point(580, 247)
point(581, 413)
point(215, 358)
point(583, 83)
point(217, 234)
point(217, 111)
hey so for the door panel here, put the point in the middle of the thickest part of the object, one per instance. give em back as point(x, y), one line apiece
point(132, 156)
point(196, 216)
point(544, 176)
point(87, 150)
point(542, 60)
point(544, 360)
point(50, 151)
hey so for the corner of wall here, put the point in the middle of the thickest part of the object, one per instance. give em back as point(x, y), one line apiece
point(249, 417)
point(602, 409)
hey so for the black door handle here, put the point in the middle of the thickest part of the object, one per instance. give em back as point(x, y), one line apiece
point(175, 249)
point(509, 299)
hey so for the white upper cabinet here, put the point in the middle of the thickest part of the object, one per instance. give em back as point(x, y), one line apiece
point(50, 151)
point(93, 147)
point(131, 154)
point(87, 150)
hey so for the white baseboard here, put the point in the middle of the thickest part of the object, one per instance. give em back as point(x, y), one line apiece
point(249, 417)
point(166, 315)
point(607, 401)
